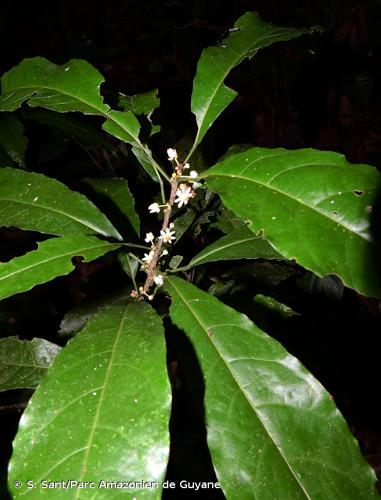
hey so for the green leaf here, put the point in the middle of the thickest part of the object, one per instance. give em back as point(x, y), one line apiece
point(118, 198)
point(23, 363)
point(140, 104)
point(12, 138)
point(39, 203)
point(210, 96)
point(102, 410)
point(71, 87)
point(312, 206)
point(53, 258)
point(273, 431)
point(129, 265)
point(239, 244)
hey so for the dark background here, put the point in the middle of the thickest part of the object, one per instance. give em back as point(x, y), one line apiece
point(321, 91)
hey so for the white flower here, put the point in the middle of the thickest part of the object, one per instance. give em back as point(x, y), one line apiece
point(165, 252)
point(148, 257)
point(159, 280)
point(186, 166)
point(166, 235)
point(183, 195)
point(149, 237)
point(193, 174)
point(196, 185)
point(154, 208)
point(172, 154)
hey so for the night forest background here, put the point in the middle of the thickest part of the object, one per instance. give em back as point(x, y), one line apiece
point(321, 91)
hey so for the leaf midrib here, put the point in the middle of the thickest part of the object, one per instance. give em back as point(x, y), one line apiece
point(242, 390)
point(104, 113)
point(69, 216)
point(288, 195)
point(100, 401)
point(74, 253)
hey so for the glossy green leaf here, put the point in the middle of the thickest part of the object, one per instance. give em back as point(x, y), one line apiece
point(313, 206)
point(12, 138)
point(52, 258)
point(210, 96)
point(118, 198)
point(71, 87)
point(239, 244)
point(23, 363)
point(102, 411)
point(38, 203)
point(273, 431)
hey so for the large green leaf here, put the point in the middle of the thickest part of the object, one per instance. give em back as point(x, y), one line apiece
point(242, 243)
point(53, 258)
point(38, 203)
point(273, 431)
point(23, 363)
point(71, 87)
point(313, 206)
point(12, 138)
point(102, 410)
point(210, 96)
point(117, 193)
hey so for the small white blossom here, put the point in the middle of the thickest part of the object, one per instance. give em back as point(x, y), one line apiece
point(183, 195)
point(193, 174)
point(172, 154)
point(186, 166)
point(167, 235)
point(171, 225)
point(148, 257)
point(159, 280)
point(196, 185)
point(165, 252)
point(154, 208)
point(149, 237)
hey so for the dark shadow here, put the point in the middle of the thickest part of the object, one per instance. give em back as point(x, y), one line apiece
point(189, 458)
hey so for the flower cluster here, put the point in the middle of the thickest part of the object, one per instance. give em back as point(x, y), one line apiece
point(182, 190)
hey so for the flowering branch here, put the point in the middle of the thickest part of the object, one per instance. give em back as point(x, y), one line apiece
point(180, 194)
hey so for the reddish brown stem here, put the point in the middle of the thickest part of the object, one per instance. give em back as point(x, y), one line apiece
point(151, 269)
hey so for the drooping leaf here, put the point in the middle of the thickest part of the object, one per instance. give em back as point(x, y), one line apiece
point(71, 126)
point(273, 431)
point(239, 244)
point(118, 199)
point(313, 206)
point(38, 203)
point(102, 410)
point(23, 363)
point(274, 306)
point(210, 96)
point(52, 258)
point(77, 317)
point(227, 221)
point(12, 138)
point(71, 87)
